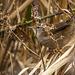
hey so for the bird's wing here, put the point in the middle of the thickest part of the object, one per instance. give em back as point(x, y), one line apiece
point(59, 27)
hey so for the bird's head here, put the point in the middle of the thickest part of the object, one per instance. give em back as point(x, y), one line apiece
point(37, 29)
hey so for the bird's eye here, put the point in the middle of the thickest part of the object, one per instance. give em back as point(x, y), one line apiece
point(38, 27)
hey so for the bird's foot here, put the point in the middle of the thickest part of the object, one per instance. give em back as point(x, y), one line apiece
point(61, 52)
point(52, 50)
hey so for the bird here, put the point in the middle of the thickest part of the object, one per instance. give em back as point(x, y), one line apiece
point(60, 35)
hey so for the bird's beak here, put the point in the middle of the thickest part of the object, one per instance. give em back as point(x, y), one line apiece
point(30, 27)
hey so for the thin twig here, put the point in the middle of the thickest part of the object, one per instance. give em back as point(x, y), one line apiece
point(24, 43)
point(41, 18)
point(71, 2)
point(61, 9)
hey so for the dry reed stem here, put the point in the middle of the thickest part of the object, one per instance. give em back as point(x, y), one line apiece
point(48, 10)
point(60, 62)
point(23, 70)
point(11, 7)
point(17, 11)
point(38, 65)
point(45, 3)
point(21, 8)
point(11, 62)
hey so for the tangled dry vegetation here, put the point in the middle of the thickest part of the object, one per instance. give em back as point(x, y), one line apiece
point(20, 51)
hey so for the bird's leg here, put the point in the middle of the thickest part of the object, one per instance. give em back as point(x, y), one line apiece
point(56, 44)
point(51, 50)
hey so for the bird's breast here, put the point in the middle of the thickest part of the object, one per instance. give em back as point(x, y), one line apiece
point(47, 41)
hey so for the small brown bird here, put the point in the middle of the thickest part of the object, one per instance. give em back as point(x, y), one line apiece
point(60, 35)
